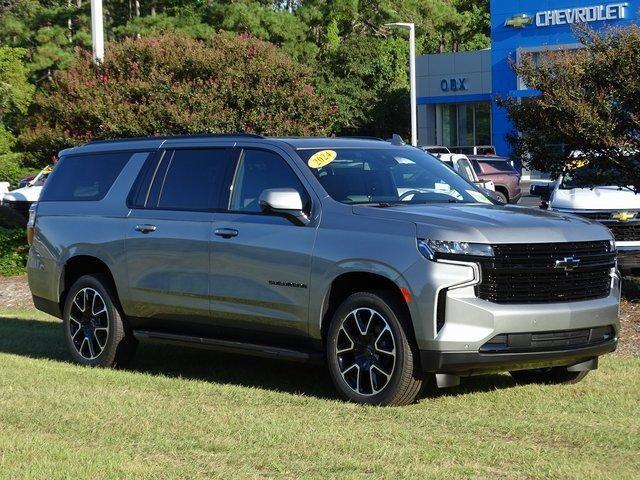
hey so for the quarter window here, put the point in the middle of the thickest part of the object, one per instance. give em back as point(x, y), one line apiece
point(260, 170)
point(84, 177)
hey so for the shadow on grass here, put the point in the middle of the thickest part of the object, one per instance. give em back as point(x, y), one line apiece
point(38, 339)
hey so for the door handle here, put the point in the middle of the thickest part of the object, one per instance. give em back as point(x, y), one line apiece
point(146, 228)
point(226, 232)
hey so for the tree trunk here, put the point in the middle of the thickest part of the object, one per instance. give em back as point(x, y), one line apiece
point(69, 25)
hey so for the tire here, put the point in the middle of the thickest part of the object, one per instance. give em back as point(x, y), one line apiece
point(371, 358)
point(548, 376)
point(502, 197)
point(95, 330)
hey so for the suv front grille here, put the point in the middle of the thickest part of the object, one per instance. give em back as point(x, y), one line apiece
point(625, 232)
point(527, 273)
point(622, 231)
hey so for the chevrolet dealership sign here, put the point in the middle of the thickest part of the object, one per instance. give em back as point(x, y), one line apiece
point(570, 16)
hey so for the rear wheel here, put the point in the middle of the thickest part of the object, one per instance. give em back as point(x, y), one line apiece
point(554, 375)
point(370, 356)
point(502, 197)
point(94, 328)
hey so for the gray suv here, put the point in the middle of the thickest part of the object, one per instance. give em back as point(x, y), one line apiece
point(368, 255)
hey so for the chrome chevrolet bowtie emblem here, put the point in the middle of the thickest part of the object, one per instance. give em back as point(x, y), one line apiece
point(623, 216)
point(568, 263)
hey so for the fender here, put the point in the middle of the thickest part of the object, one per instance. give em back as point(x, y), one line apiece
point(318, 302)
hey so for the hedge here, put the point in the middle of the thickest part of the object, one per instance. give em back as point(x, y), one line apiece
point(13, 251)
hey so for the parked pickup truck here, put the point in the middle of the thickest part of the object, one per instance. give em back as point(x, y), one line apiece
point(615, 207)
point(22, 198)
point(500, 171)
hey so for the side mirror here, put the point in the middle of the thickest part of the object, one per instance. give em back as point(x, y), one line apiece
point(542, 190)
point(285, 202)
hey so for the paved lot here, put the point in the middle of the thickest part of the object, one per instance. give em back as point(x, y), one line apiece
point(526, 199)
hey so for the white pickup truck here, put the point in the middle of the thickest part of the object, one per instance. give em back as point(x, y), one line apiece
point(616, 207)
point(22, 198)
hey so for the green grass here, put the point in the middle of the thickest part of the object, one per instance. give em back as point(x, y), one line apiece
point(180, 413)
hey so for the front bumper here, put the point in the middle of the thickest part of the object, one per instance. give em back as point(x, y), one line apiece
point(470, 363)
point(470, 323)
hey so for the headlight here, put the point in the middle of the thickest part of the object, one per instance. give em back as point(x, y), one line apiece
point(432, 249)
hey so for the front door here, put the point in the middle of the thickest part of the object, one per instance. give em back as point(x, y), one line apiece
point(168, 240)
point(260, 264)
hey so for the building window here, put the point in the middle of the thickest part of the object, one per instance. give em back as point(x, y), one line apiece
point(482, 123)
point(449, 125)
point(461, 124)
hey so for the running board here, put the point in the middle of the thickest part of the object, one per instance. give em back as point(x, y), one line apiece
point(230, 346)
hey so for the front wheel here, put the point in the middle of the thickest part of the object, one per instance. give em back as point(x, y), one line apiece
point(550, 376)
point(95, 330)
point(371, 358)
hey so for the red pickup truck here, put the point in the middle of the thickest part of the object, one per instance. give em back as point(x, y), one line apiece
point(500, 171)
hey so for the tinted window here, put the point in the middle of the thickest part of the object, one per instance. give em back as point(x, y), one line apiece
point(84, 177)
point(140, 190)
point(497, 166)
point(257, 171)
point(388, 175)
point(189, 179)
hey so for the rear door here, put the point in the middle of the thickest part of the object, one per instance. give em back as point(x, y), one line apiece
point(168, 238)
point(260, 264)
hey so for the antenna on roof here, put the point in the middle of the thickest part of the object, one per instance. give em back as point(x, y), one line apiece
point(397, 140)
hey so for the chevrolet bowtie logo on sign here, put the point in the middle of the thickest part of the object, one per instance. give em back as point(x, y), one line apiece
point(624, 216)
point(519, 21)
point(568, 263)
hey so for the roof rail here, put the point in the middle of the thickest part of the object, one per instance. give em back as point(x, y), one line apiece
point(171, 137)
point(361, 137)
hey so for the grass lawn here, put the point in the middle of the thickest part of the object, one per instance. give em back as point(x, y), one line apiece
point(180, 413)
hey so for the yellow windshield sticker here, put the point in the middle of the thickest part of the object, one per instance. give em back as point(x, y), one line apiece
point(322, 158)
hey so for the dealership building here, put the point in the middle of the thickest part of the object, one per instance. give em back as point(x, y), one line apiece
point(457, 92)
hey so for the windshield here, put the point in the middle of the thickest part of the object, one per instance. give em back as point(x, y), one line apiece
point(388, 175)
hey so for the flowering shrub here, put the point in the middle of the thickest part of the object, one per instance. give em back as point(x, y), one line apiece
point(175, 84)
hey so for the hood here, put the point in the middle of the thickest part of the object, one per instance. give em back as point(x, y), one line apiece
point(491, 223)
point(599, 198)
point(25, 194)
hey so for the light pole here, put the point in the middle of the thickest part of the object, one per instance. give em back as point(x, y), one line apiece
point(97, 33)
point(412, 77)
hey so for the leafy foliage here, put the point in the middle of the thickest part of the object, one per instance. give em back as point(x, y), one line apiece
point(15, 94)
point(359, 65)
point(12, 169)
point(13, 251)
point(175, 84)
point(589, 102)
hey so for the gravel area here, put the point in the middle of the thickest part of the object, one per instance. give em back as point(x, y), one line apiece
point(14, 293)
point(630, 329)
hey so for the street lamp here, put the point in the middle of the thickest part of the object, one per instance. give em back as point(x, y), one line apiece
point(97, 34)
point(412, 77)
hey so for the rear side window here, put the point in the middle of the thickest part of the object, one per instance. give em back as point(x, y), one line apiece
point(84, 178)
point(498, 166)
point(188, 180)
